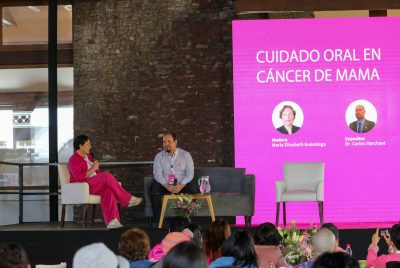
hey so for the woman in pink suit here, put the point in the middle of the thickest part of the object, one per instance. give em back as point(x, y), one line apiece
point(82, 168)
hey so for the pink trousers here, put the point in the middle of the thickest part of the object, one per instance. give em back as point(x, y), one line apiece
point(105, 185)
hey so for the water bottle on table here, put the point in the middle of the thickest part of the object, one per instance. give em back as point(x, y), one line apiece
point(204, 184)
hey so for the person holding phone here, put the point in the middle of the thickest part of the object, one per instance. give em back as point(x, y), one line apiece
point(392, 239)
point(83, 168)
point(173, 171)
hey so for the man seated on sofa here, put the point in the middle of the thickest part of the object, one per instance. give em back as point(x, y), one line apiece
point(173, 171)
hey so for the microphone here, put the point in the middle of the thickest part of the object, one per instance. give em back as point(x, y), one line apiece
point(175, 181)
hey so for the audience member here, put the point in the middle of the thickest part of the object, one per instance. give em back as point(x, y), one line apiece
point(216, 235)
point(393, 240)
point(237, 250)
point(169, 241)
point(134, 245)
point(331, 227)
point(97, 255)
point(13, 255)
point(178, 224)
point(197, 236)
point(156, 253)
point(183, 255)
point(323, 241)
point(267, 240)
point(335, 260)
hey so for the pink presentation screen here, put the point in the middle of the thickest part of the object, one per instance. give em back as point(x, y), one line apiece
point(341, 78)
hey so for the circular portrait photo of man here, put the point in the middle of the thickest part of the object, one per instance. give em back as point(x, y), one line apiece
point(287, 117)
point(361, 116)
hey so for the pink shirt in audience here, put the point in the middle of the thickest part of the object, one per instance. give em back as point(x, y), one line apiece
point(380, 262)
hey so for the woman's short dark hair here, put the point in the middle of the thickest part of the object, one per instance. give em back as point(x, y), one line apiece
point(266, 234)
point(336, 260)
point(80, 140)
point(331, 227)
point(134, 244)
point(185, 254)
point(284, 107)
point(240, 246)
point(13, 255)
point(395, 235)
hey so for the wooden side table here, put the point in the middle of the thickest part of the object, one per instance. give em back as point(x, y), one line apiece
point(168, 197)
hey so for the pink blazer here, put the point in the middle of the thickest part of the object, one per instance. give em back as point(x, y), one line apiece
point(78, 167)
point(380, 262)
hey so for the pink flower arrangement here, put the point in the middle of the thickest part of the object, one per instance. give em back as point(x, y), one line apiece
point(297, 243)
point(185, 206)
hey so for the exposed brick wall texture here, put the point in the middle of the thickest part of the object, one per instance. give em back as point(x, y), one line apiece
point(142, 67)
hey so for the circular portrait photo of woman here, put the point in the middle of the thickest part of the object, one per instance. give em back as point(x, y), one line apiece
point(287, 117)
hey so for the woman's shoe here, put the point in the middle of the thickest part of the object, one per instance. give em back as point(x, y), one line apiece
point(114, 224)
point(134, 201)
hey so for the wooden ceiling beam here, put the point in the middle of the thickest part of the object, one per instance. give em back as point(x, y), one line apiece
point(313, 5)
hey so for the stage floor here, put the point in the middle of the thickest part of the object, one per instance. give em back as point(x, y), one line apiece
point(48, 243)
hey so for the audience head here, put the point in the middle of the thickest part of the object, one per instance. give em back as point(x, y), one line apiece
point(178, 224)
point(134, 244)
point(395, 235)
point(323, 241)
point(80, 140)
point(336, 260)
point(172, 239)
point(240, 246)
point(197, 237)
point(13, 255)
point(217, 233)
point(97, 255)
point(331, 227)
point(183, 255)
point(266, 234)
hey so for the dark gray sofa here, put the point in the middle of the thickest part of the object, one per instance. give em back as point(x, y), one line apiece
point(232, 192)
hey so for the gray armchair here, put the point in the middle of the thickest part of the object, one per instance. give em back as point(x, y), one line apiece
point(302, 182)
point(232, 192)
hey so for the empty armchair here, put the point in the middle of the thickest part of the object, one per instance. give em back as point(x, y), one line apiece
point(302, 182)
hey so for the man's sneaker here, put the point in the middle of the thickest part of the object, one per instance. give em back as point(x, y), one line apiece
point(114, 224)
point(135, 201)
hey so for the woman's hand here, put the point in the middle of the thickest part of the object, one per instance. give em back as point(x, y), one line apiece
point(95, 165)
point(375, 238)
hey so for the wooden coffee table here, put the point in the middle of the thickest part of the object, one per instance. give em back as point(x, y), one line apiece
point(168, 197)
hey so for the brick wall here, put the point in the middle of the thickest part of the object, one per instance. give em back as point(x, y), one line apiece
point(145, 66)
